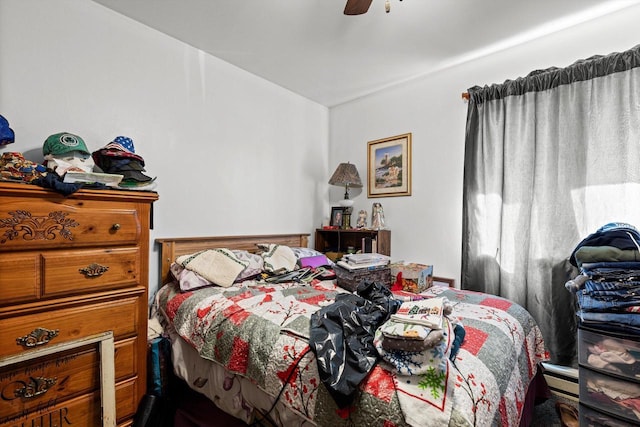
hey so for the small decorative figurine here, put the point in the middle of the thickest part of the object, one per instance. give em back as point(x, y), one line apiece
point(362, 219)
point(377, 217)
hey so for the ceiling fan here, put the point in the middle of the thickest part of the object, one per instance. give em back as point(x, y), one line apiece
point(358, 7)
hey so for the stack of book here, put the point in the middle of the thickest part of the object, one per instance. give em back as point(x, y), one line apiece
point(365, 260)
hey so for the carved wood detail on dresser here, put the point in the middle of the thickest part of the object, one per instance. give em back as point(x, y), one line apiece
point(72, 267)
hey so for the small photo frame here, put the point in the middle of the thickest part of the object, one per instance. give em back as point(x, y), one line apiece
point(337, 216)
point(389, 166)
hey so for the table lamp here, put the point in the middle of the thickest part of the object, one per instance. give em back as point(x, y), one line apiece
point(346, 174)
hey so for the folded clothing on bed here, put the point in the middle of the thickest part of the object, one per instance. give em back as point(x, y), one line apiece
point(417, 362)
point(431, 338)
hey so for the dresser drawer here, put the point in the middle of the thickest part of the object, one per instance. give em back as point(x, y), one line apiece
point(592, 418)
point(82, 411)
point(19, 277)
point(55, 222)
point(22, 332)
point(608, 394)
point(125, 353)
point(609, 352)
point(31, 385)
point(27, 386)
point(126, 400)
point(66, 273)
point(83, 271)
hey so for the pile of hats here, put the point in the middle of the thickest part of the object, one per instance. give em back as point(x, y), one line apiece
point(69, 161)
point(13, 165)
point(64, 152)
point(119, 157)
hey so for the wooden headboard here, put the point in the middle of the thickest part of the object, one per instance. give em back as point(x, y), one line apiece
point(174, 247)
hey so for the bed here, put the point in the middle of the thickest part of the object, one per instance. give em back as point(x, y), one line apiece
point(246, 347)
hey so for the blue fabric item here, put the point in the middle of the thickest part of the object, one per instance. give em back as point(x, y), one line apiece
point(7, 136)
point(55, 182)
point(610, 266)
point(126, 142)
point(159, 366)
point(612, 327)
point(459, 333)
point(612, 271)
point(628, 319)
point(604, 288)
point(616, 226)
point(610, 303)
point(617, 234)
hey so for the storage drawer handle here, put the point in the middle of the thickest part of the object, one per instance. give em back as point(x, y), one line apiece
point(115, 227)
point(34, 387)
point(93, 270)
point(38, 336)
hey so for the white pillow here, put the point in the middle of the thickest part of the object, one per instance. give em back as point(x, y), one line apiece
point(254, 267)
point(220, 266)
point(189, 280)
point(278, 258)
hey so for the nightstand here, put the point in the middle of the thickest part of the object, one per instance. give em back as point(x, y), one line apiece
point(338, 240)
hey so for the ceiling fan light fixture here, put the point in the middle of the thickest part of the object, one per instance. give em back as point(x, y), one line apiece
point(360, 7)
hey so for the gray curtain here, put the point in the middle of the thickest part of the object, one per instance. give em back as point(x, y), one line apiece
point(549, 158)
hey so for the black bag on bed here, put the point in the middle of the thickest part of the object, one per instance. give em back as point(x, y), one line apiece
point(351, 321)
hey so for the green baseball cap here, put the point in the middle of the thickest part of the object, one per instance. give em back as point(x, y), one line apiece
point(64, 142)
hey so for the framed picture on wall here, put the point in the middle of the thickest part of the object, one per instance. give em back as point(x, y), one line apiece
point(389, 166)
point(337, 216)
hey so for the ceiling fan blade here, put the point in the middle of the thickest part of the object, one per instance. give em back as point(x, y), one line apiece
point(357, 7)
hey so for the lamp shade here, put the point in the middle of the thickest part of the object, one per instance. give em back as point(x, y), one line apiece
point(346, 174)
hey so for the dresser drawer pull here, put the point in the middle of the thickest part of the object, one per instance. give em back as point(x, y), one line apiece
point(94, 270)
point(38, 336)
point(115, 227)
point(34, 387)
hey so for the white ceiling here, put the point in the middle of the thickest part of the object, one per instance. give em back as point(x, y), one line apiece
point(310, 47)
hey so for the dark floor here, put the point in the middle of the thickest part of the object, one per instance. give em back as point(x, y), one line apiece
point(545, 414)
point(195, 410)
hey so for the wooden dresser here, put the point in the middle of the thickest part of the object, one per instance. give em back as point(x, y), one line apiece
point(71, 267)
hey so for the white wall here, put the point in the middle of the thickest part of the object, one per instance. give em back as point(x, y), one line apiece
point(427, 226)
point(233, 153)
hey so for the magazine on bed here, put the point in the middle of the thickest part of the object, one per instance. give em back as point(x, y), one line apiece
point(427, 312)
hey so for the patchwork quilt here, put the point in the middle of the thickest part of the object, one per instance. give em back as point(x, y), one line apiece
point(260, 331)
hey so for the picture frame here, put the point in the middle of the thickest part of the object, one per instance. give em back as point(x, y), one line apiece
point(389, 166)
point(337, 216)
